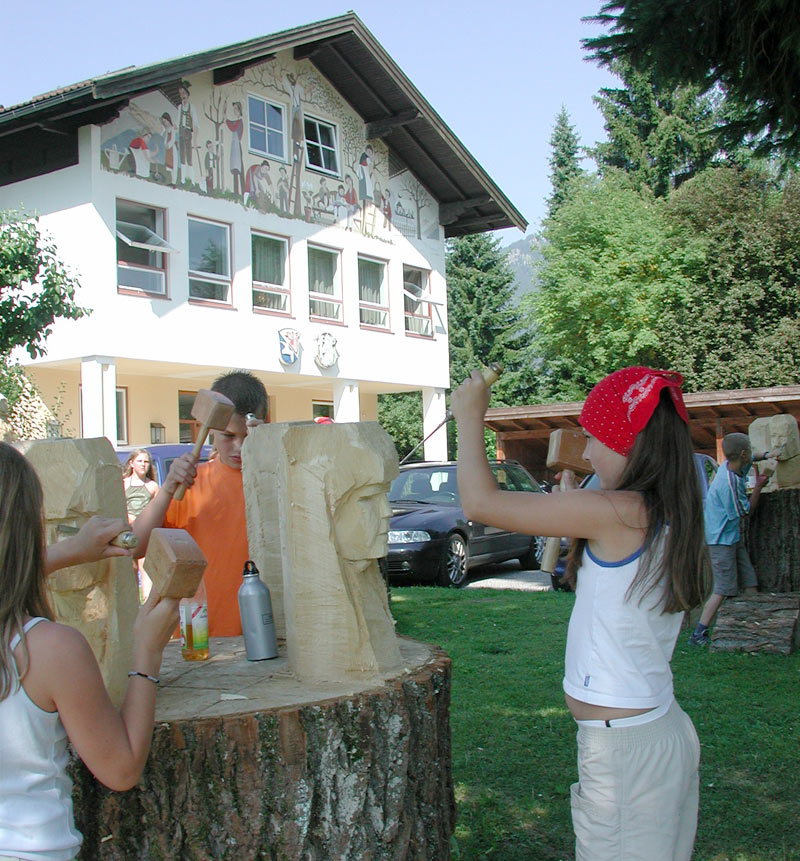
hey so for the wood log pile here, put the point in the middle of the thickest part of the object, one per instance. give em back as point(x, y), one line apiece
point(766, 622)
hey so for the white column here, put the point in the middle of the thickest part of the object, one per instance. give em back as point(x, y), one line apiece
point(346, 403)
point(433, 412)
point(99, 397)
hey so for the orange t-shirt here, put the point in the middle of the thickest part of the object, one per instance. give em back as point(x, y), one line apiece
point(212, 512)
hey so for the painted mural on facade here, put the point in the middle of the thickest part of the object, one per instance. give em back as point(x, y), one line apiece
point(279, 140)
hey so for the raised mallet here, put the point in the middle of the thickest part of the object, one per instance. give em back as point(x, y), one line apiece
point(564, 454)
point(214, 411)
point(490, 376)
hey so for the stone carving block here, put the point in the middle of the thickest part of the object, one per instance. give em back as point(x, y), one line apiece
point(174, 563)
point(324, 488)
point(778, 432)
point(80, 478)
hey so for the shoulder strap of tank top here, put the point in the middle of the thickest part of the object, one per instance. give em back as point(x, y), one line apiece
point(28, 625)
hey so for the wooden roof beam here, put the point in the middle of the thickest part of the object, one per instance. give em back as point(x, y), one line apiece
point(449, 212)
point(383, 127)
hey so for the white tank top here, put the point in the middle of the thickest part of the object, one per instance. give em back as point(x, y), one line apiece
point(36, 820)
point(618, 650)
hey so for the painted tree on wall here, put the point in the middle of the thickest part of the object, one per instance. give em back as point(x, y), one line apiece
point(418, 195)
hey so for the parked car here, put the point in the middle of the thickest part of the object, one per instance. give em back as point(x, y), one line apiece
point(429, 537)
point(162, 455)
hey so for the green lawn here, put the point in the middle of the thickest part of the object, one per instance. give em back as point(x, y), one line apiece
point(514, 741)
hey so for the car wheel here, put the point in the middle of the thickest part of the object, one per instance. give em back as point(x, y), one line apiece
point(453, 569)
point(532, 560)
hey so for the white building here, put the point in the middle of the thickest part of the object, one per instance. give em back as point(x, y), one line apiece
point(279, 205)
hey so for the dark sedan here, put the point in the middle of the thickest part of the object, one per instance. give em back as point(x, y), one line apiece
point(429, 538)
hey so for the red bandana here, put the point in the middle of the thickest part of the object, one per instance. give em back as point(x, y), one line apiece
point(620, 405)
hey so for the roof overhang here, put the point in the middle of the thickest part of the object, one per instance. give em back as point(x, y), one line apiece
point(711, 416)
point(350, 57)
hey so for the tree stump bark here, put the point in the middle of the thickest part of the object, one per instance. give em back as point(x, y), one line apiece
point(758, 623)
point(249, 763)
point(773, 540)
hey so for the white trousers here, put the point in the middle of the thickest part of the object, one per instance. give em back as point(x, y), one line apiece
point(637, 792)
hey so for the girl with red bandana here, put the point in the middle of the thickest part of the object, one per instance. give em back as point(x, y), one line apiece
point(638, 561)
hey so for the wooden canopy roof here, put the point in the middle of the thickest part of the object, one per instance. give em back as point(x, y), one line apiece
point(523, 432)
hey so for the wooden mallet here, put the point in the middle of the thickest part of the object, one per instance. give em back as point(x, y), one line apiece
point(564, 454)
point(214, 411)
point(174, 563)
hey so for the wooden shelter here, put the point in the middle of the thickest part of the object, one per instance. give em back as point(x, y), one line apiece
point(523, 432)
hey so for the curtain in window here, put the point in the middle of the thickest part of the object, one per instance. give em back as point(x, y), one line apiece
point(321, 271)
point(268, 262)
point(370, 282)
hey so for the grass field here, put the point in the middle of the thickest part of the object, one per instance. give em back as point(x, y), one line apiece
point(514, 741)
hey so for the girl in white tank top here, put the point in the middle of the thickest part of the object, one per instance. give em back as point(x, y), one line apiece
point(50, 680)
point(638, 560)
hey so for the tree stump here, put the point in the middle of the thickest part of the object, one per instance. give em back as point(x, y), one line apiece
point(758, 623)
point(248, 763)
point(773, 540)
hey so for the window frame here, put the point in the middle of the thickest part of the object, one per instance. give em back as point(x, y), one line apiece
point(191, 422)
point(334, 298)
point(309, 118)
point(121, 396)
point(284, 109)
point(210, 277)
point(161, 247)
point(424, 298)
point(284, 289)
point(373, 307)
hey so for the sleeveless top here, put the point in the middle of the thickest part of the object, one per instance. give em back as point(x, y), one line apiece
point(36, 820)
point(136, 498)
point(618, 649)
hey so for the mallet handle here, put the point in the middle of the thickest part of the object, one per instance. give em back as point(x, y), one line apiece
point(198, 447)
point(553, 543)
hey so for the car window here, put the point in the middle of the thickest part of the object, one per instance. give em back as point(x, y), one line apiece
point(510, 476)
point(435, 485)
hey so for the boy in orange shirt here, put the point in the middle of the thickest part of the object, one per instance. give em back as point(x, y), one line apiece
point(212, 511)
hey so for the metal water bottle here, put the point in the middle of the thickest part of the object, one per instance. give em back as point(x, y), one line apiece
point(255, 608)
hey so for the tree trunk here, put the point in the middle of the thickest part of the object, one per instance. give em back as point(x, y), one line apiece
point(773, 540)
point(248, 763)
point(758, 623)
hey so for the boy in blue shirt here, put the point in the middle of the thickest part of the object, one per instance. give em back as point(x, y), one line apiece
point(724, 506)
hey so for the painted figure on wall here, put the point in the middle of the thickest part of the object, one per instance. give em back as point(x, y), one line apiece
point(236, 128)
point(187, 128)
point(210, 164)
point(350, 199)
point(170, 147)
point(386, 206)
point(140, 150)
point(258, 186)
point(283, 190)
point(295, 90)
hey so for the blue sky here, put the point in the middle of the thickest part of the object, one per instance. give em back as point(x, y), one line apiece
point(496, 72)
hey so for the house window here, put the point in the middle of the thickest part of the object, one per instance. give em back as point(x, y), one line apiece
point(188, 427)
point(373, 301)
point(321, 145)
point(122, 416)
point(266, 127)
point(270, 284)
point(417, 310)
point(324, 288)
point(209, 260)
point(141, 248)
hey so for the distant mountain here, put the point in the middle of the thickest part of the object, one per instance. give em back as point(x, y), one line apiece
point(521, 256)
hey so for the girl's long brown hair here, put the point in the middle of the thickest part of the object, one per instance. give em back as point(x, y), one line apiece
point(23, 589)
point(661, 467)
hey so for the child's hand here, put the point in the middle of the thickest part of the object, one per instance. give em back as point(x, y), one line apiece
point(761, 480)
point(155, 623)
point(92, 541)
point(471, 398)
point(182, 471)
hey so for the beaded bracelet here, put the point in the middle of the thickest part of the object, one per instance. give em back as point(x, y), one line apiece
point(152, 679)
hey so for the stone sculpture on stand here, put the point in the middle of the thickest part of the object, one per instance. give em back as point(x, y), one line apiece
point(80, 478)
point(778, 433)
point(324, 486)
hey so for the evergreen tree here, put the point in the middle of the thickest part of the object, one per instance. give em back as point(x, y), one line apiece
point(660, 137)
point(564, 164)
point(747, 48)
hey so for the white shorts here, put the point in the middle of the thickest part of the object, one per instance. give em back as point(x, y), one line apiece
point(637, 791)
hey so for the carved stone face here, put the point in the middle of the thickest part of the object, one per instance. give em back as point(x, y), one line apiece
point(361, 523)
